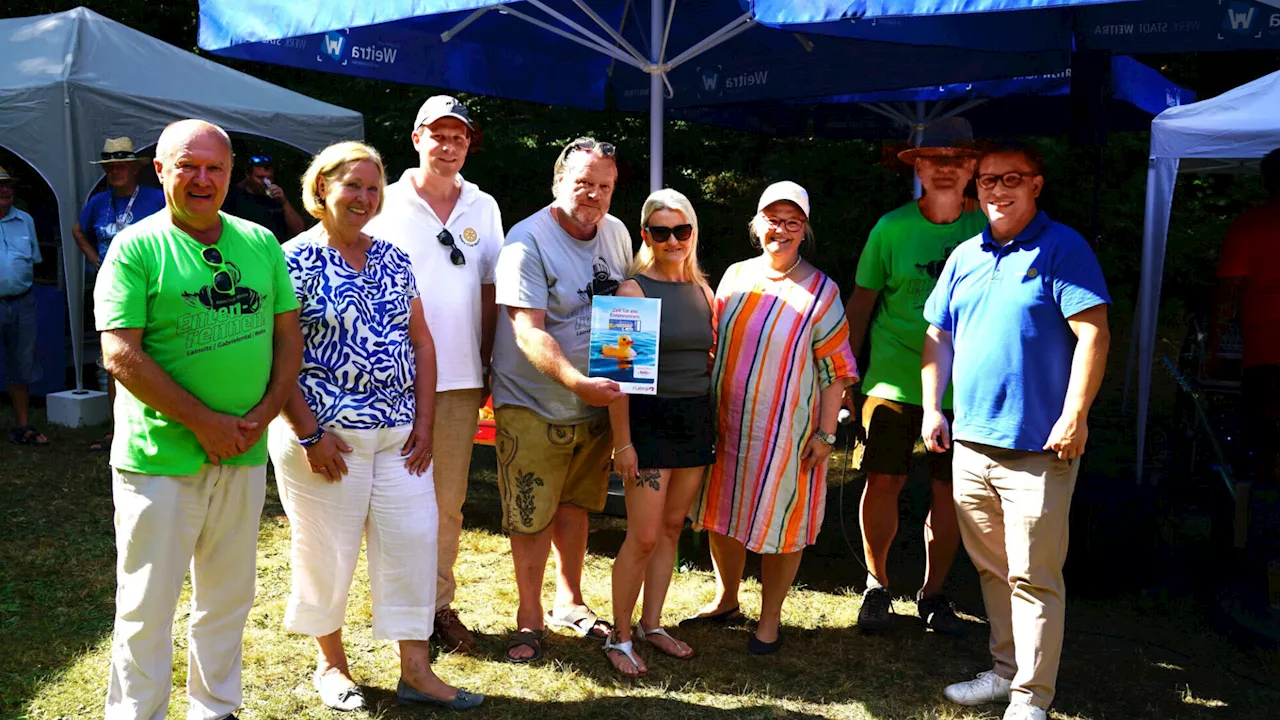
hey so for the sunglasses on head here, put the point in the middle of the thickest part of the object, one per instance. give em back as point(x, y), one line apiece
point(260, 160)
point(119, 155)
point(1010, 180)
point(589, 145)
point(661, 233)
point(455, 255)
point(222, 280)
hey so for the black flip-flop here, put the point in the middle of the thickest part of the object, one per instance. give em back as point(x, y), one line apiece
point(27, 435)
point(720, 619)
point(756, 646)
point(524, 638)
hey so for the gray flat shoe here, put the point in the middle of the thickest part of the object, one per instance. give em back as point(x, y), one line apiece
point(406, 695)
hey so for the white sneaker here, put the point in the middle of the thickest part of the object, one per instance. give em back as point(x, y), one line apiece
point(1024, 711)
point(988, 687)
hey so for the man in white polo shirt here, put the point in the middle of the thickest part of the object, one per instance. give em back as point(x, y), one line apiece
point(452, 231)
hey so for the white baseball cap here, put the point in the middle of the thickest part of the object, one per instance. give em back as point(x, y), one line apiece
point(785, 190)
point(440, 106)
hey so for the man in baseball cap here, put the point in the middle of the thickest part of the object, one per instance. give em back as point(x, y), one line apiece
point(896, 272)
point(452, 232)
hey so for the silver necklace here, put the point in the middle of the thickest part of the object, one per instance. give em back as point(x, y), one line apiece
point(787, 272)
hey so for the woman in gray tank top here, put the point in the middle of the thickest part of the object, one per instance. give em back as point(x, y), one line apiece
point(663, 443)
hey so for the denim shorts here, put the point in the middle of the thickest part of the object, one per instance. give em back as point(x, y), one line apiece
point(18, 333)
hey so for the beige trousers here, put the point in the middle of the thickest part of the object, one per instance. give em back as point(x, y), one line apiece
point(457, 416)
point(379, 499)
point(1013, 507)
point(207, 522)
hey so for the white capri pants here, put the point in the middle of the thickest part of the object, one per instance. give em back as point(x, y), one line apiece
point(378, 495)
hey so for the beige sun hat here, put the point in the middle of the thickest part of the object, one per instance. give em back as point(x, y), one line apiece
point(117, 150)
point(5, 176)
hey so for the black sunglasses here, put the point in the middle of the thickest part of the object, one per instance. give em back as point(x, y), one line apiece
point(1010, 180)
point(455, 255)
point(661, 233)
point(260, 160)
point(222, 280)
point(119, 155)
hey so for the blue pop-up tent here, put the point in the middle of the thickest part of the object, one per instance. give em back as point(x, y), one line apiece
point(564, 52)
point(1028, 105)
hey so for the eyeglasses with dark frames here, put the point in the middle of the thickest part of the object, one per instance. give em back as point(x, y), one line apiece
point(223, 282)
point(455, 255)
point(1010, 180)
point(661, 233)
point(791, 225)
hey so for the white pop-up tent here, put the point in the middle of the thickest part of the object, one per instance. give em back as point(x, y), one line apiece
point(69, 80)
point(1227, 133)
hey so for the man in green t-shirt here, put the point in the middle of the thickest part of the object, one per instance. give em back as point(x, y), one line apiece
point(200, 329)
point(896, 272)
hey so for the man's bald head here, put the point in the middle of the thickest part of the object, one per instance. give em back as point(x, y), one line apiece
point(193, 162)
point(179, 133)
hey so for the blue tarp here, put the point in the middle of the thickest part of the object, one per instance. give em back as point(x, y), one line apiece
point(1033, 105)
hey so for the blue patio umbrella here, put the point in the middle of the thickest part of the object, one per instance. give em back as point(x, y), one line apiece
point(1124, 28)
point(565, 52)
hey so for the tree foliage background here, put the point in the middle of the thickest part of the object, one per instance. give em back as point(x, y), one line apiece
point(723, 171)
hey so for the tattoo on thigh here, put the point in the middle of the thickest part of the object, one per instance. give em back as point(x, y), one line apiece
point(650, 478)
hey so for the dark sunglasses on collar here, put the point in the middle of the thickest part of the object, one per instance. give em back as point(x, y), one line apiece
point(455, 255)
point(661, 233)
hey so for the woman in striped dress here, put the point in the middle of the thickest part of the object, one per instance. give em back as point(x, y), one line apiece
point(782, 363)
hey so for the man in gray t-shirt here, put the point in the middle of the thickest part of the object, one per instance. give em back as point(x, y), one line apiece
point(553, 437)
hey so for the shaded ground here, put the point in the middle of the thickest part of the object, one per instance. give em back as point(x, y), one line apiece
point(1128, 654)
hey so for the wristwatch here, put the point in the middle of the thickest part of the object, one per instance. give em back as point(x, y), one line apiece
point(824, 437)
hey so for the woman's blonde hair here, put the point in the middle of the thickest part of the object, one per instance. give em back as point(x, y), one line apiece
point(329, 164)
point(668, 199)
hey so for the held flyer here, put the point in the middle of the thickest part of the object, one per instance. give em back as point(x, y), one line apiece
point(624, 342)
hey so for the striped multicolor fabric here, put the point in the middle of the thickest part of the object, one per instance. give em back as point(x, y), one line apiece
point(779, 344)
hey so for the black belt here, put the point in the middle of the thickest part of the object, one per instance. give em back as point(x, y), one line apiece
point(19, 296)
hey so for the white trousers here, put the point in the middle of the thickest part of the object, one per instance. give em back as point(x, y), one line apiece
point(378, 496)
point(165, 524)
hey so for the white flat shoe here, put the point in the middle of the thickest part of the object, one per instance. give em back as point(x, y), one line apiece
point(335, 693)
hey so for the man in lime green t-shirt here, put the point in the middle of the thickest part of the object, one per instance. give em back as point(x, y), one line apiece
point(896, 272)
point(200, 329)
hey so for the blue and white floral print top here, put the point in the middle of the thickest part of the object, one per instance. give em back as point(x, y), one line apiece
point(357, 360)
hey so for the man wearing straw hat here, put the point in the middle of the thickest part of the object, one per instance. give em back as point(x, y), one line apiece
point(107, 213)
point(896, 272)
point(19, 254)
point(124, 203)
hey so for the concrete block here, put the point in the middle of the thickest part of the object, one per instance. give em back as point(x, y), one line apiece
point(74, 408)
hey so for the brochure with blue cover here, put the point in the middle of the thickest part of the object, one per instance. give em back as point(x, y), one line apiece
point(624, 342)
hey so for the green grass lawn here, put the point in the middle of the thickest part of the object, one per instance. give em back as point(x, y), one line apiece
point(1124, 657)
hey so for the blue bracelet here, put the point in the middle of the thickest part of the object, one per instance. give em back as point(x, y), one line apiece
point(312, 439)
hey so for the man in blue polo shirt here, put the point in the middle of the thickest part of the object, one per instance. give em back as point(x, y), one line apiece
point(1018, 320)
point(19, 254)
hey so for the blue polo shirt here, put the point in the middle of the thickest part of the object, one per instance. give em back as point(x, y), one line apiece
point(1006, 309)
point(19, 252)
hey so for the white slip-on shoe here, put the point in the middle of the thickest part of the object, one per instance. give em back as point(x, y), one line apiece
point(1024, 711)
point(988, 687)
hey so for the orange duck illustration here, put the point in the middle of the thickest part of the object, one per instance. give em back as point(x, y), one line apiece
point(621, 351)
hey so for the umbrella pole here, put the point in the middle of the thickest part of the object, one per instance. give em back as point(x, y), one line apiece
point(655, 96)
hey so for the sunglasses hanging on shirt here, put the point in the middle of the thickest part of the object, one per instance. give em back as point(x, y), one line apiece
point(455, 255)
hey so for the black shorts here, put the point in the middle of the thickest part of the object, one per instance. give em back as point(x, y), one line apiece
point(1260, 416)
point(670, 433)
point(888, 438)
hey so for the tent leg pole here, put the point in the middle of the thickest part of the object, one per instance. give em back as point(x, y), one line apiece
point(656, 96)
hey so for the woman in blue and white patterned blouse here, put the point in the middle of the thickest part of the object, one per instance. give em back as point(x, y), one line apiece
point(352, 448)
